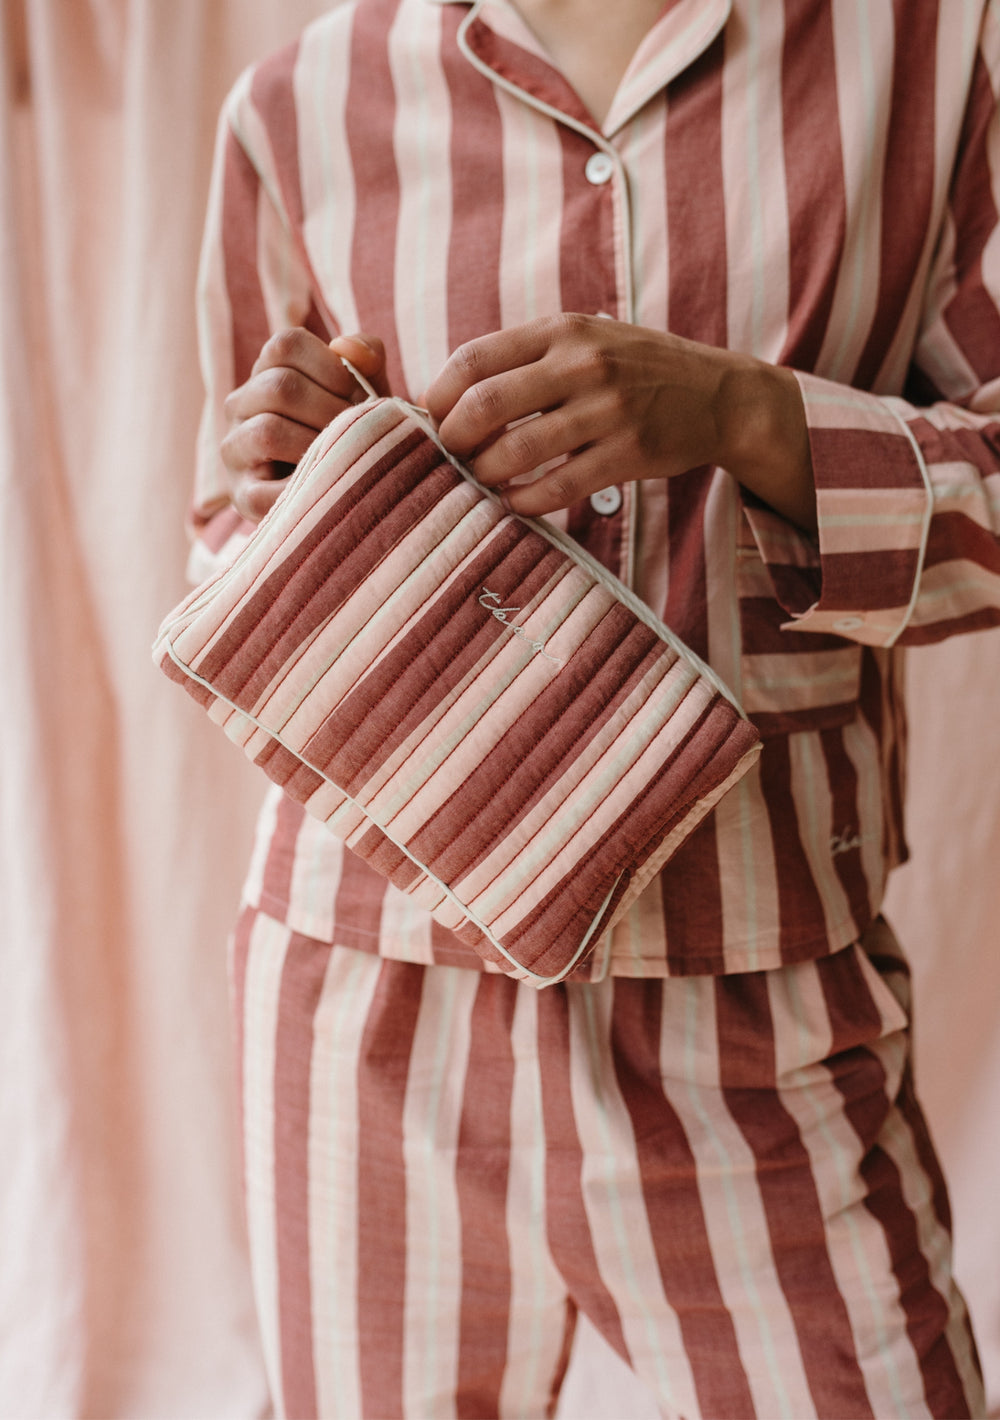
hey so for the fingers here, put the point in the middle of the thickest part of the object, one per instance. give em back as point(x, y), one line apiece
point(536, 441)
point(265, 439)
point(298, 384)
point(489, 382)
point(574, 479)
point(300, 350)
point(367, 354)
point(254, 494)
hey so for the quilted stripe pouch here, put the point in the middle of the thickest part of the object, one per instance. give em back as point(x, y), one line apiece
point(465, 697)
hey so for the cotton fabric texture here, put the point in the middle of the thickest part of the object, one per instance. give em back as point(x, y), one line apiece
point(125, 1287)
point(484, 715)
point(421, 171)
point(729, 1176)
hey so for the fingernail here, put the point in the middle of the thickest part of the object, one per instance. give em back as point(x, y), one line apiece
point(360, 340)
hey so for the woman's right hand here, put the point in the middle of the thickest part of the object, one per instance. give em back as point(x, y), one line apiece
point(297, 386)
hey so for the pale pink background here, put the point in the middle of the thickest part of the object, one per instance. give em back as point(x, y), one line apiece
point(125, 818)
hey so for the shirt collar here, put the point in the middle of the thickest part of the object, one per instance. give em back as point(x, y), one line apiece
point(683, 32)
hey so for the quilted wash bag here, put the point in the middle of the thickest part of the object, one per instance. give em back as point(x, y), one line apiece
point(465, 697)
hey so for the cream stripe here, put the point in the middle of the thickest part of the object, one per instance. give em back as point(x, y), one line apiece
point(734, 1215)
point(252, 134)
point(432, 1117)
point(421, 142)
point(756, 205)
point(274, 265)
point(262, 990)
point(215, 339)
point(315, 893)
point(937, 352)
point(325, 170)
point(406, 926)
point(680, 39)
point(612, 1190)
point(935, 1244)
point(862, 40)
point(339, 1026)
point(267, 818)
point(862, 748)
point(635, 192)
point(529, 238)
point(749, 880)
point(814, 799)
point(638, 942)
point(991, 251)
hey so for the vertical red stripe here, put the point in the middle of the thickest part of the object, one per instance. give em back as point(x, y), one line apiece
point(817, 206)
point(697, 263)
point(690, 884)
point(384, 1068)
point(588, 284)
point(908, 178)
point(481, 1174)
point(800, 907)
point(944, 1389)
point(477, 196)
point(449, 950)
point(273, 93)
point(357, 907)
point(670, 1192)
point(860, 1078)
point(748, 1072)
point(279, 865)
point(691, 895)
point(971, 314)
point(566, 1214)
point(587, 271)
point(843, 780)
point(695, 216)
point(240, 194)
point(301, 986)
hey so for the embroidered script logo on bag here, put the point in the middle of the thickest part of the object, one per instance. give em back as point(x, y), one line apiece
point(491, 601)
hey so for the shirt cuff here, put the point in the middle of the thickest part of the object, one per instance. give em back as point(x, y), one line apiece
point(858, 575)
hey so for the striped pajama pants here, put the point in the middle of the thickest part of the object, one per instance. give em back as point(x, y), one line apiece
point(729, 1176)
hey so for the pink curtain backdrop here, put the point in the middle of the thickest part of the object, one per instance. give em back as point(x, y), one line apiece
point(125, 819)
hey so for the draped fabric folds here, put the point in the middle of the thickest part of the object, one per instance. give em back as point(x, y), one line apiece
point(125, 823)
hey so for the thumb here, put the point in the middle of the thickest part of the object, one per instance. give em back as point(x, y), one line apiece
point(367, 354)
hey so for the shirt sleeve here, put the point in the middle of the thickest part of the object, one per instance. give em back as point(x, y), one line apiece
point(254, 279)
point(908, 488)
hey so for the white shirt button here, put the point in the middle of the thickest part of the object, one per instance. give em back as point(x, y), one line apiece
point(600, 167)
point(848, 623)
point(606, 501)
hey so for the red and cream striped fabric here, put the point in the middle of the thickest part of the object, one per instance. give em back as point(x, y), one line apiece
point(814, 182)
point(478, 709)
point(730, 1177)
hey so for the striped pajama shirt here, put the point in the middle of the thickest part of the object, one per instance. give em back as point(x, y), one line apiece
point(721, 1160)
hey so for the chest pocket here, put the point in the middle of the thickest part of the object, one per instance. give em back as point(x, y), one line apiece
point(792, 680)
